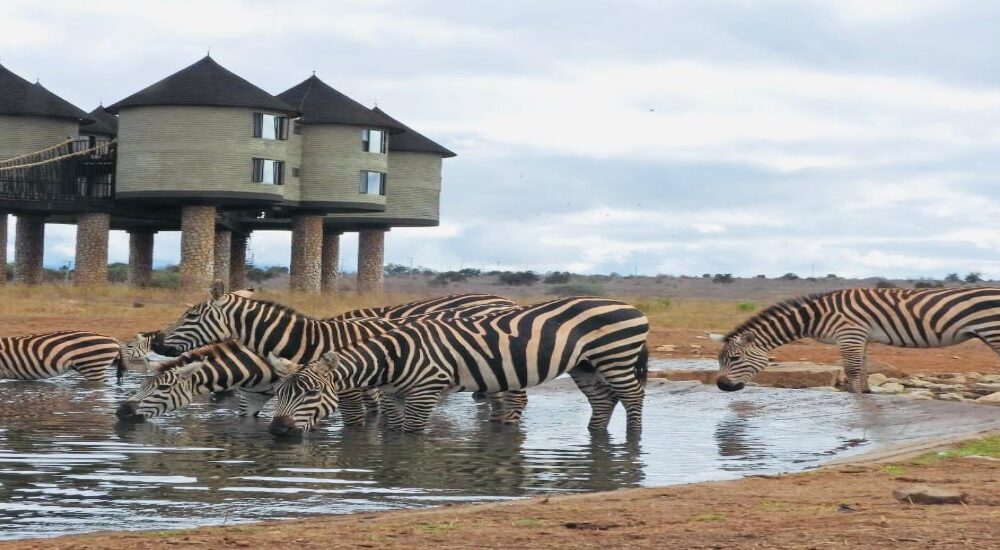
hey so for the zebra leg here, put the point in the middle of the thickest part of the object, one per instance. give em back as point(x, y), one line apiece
point(352, 407)
point(624, 384)
point(372, 398)
point(602, 399)
point(251, 403)
point(514, 402)
point(417, 408)
point(393, 411)
point(853, 347)
point(495, 401)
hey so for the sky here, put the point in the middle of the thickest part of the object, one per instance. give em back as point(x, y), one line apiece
point(647, 136)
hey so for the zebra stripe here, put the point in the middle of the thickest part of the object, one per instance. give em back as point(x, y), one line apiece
point(38, 356)
point(601, 343)
point(474, 304)
point(852, 318)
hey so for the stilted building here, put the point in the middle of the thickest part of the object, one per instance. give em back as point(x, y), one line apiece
point(207, 152)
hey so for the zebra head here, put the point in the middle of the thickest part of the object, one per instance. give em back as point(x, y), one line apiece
point(169, 389)
point(304, 397)
point(202, 324)
point(740, 358)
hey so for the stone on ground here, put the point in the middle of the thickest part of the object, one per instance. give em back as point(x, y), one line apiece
point(877, 379)
point(888, 387)
point(991, 399)
point(928, 494)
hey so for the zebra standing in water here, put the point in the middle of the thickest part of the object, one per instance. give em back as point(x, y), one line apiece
point(470, 304)
point(215, 368)
point(601, 343)
point(267, 327)
point(911, 318)
point(38, 356)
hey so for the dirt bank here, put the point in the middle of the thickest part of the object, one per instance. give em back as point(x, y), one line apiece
point(846, 506)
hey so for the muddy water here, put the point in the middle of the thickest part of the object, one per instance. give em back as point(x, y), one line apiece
point(67, 465)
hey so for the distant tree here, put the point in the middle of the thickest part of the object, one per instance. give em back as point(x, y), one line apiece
point(471, 272)
point(928, 283)
point(518, 278)
point(832, 276)
point(117, 272)
point(723, 278)
point(395, 270)
point(974, 277)
point(706, 275)
point(885, 284)
point(952, 278)
point(557, 278)
point(761, 276)
point(789, 277)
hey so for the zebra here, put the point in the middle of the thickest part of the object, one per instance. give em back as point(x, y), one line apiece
point(471, 304)
point(268, 327)
point(851, 318)
point(600, 342)
point(38, 356)
point(209, 369)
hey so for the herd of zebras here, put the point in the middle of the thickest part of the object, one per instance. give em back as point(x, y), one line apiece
point(399, 360)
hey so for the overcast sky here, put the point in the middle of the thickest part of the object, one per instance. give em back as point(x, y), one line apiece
point(857, 137)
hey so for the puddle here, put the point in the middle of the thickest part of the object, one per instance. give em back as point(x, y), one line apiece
point(67, 465)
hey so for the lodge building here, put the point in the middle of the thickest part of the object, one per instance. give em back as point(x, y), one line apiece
point(211, 154)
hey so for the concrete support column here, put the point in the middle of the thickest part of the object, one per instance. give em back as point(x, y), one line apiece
point(371, 251)
point(238, 261)
point(3, 248)
point(92, 249)
point(307, 252)
point(197, 247)
point(223, 251)
point(140, 258)
point(29, 246)
point(331, 260)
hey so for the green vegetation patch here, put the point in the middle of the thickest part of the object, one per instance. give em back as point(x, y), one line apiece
point(987, 446)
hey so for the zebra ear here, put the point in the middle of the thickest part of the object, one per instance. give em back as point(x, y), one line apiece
point(282, 366)
point(329, 361)
point(716, 337)
point(218, 289)
point(245, 293)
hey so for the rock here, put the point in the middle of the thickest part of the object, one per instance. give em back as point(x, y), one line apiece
point(799, 375)
point(989, 378)
point(921, 394)
point(915, 382)
point(827, 388)
point(972, 375)
point(877, 379)
point(927, 494)
point(695, 346)
point(888, 387)
point(946, 388)
point(951, 396)
point(666, 347)
point(986, 387)
point(954, 379)
point(703, 376)
point(991, 399)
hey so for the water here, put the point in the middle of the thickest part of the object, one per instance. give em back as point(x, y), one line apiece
point(68, 466)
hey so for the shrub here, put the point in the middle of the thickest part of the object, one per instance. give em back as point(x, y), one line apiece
point(885, 284)
point(722, 278)
point(166, 279)
point(442, 279)
point(577, 289)
point(974, 277)
point(518, 278)
point(928, 283)
point(117, 272)
point(747, 306)
point(557, 278)
point(789, 277)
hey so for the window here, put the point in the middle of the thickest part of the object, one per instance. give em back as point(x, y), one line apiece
point(271, 172)
point(296, 171)
point(372, 183)
point(373, 141)
point(268, 126)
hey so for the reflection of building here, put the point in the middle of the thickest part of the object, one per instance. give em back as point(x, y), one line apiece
point(213, 155)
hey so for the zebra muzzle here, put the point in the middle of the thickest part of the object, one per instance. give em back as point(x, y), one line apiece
point(725, 384)
point(284, 426)
point(127, 409)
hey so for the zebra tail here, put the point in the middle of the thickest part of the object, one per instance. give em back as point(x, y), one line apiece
point(642, 365)
point(120, 363)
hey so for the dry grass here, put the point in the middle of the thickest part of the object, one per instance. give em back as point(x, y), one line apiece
point(121, 311)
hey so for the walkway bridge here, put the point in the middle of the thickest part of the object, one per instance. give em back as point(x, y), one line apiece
point(79, 170)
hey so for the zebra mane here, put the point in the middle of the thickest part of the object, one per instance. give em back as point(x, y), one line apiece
point(289, 310)
point(780, 307)
point(198, 354)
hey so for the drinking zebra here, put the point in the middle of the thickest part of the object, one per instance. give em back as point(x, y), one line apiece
point(912, 318)
point(601, 343)
point(267, 327)
point(38, 356)
point(471, 304)
point(209, 369)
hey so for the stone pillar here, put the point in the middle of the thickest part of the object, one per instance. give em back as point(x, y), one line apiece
point(140, 258)
point(29, 247)
point(331, 260)
point(371, 248)
point(307, 252)
point(92, 249)
point(3, 248)
point(223, 251)
point(238, 261)
point(197, 247)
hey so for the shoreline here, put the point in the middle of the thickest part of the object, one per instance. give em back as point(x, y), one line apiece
point(695, 513)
